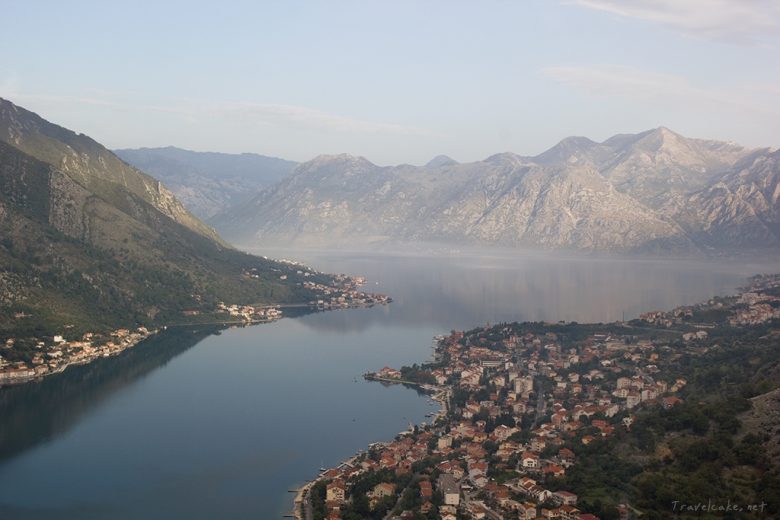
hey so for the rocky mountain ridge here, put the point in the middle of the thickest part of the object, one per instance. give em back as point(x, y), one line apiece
point(655, 191)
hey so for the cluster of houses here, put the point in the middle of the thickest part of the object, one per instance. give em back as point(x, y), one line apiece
point(342, 294)
point(250, 313)
point(602, 375)
point(564, 395)
point(455, 466)
point(388, 373)
point(344, 297)
point(303, 271)
point(755, 306)
point(55, 354)
point(399, 457)
point(667, 319)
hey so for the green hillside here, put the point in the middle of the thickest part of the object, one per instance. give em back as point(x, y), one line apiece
point(88, 241)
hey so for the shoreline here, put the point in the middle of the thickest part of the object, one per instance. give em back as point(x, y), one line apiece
point(52, 353)
point(300, 496)
point(24, 372)
point(440, 394)
point(622, 394)
point(110, 352)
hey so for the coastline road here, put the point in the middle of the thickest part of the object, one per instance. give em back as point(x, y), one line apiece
point(302, 507)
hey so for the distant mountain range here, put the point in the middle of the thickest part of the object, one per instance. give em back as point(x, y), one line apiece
point(89, 241)
point(655, 191)
point(208, 183)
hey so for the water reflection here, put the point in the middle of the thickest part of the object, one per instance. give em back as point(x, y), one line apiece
point(470, 290)
point(36, 412)
point(220, 432)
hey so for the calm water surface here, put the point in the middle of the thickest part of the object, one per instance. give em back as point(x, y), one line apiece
point(192, 424)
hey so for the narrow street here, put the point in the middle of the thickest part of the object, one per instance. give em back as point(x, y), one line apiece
point(541, 405)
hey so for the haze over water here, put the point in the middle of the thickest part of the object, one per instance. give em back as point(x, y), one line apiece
point(192, 425)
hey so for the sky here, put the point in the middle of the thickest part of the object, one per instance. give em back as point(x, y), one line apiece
point(396, 81)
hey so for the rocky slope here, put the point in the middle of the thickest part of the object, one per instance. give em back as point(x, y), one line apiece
point(86, 239)
point(208, 183)
point(90, 165)
point(738, 209)
point(654, 191)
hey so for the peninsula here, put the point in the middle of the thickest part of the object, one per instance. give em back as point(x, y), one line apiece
point(583, 421)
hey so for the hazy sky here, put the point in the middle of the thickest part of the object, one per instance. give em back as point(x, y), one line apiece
point(395, 80)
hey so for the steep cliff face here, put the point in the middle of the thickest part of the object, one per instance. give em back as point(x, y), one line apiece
point(654, 191)
point(91, 165)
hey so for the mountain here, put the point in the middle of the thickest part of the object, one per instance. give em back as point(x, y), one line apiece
point(659, 164)
point(655, 191)
point(208, 183)
point(441, 161)
point(741, 208)
point(89, 241)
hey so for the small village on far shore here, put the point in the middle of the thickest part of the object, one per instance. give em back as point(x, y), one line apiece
point(345, 295)
point(518, 403)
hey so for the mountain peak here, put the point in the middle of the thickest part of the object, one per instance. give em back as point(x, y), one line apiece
point(577, 141)
point(664, 130)
point(567, 150)
point(656, 135)
point(504, 157)
point(343, 162)
point(440, 161)
point(664, 133)
point(661, 139)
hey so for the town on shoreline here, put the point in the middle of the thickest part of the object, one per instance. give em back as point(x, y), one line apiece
point(27, 359)
point(528, 411)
